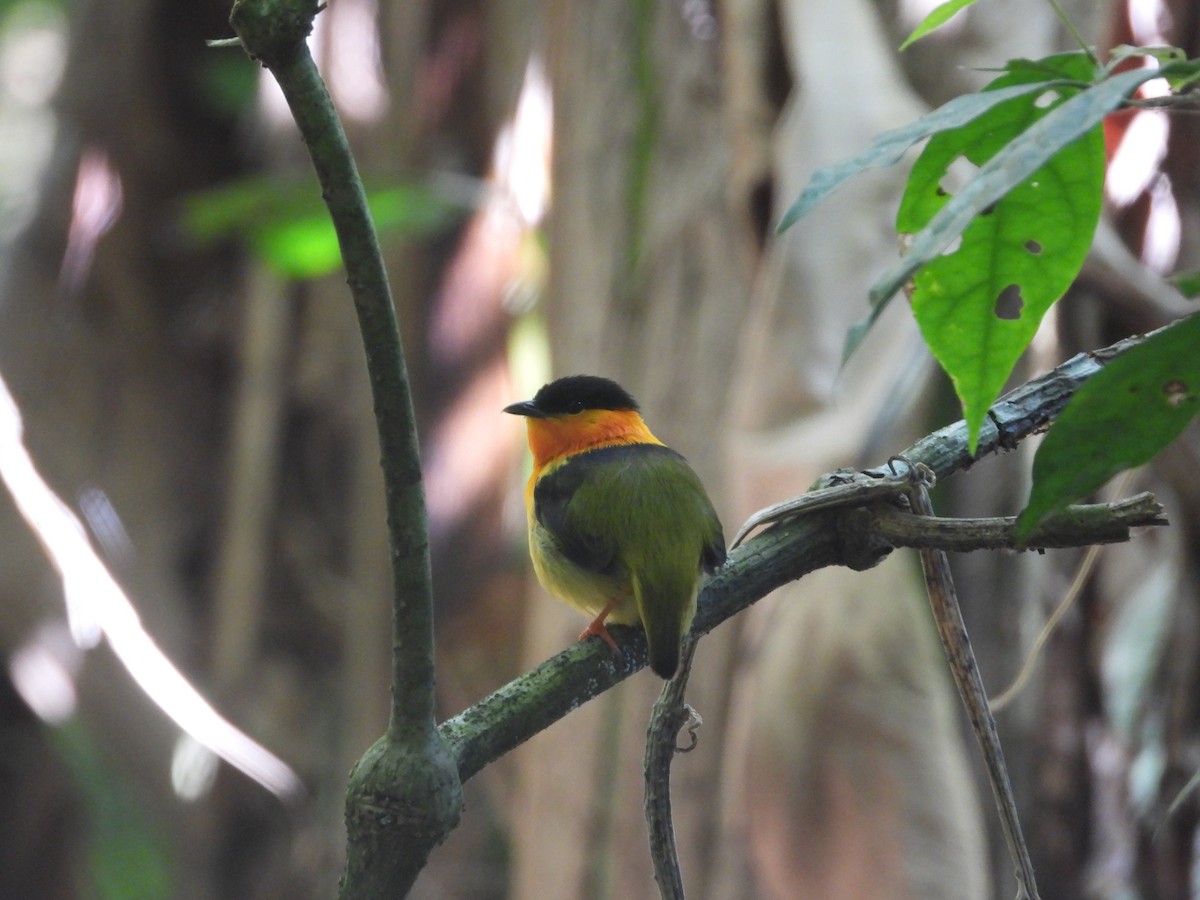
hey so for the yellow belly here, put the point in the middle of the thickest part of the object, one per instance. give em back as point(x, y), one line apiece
point(587, 591)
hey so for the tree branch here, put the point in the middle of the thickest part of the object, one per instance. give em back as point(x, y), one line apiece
point(404, 795)
point(782, 553)
point(1076, 526)
point(669, 715)
point(947, 615)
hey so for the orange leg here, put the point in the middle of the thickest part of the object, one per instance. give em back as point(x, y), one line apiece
point(597, 627)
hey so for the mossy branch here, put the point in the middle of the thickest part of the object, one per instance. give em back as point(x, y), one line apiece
point(791, 549)
point(404, 795)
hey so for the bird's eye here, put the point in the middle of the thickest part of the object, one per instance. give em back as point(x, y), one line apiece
point(575, 407)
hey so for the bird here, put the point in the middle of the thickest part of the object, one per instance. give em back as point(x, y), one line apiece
point(620, 527)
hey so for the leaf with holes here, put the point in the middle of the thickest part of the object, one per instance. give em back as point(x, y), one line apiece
point(889, 147)
point(979, 304)
point(1122, 417)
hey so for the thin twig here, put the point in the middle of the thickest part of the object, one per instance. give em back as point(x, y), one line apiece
point(1082, 574)
point(957, 644)
point(669, 715)
point(1075, 526)
point(1010, 693)
point(1070, 26)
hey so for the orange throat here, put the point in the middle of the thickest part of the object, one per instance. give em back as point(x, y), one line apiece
point(563, 436)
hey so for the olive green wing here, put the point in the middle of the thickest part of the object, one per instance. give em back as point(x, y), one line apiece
point(603, 504)
point(640, 511)
point(567, 505)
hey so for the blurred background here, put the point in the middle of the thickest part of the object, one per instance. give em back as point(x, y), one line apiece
point(560, 187)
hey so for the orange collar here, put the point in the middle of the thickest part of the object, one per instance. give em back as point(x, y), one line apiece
point(563, 436)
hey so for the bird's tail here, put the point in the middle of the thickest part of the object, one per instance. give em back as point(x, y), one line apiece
point(666, 613)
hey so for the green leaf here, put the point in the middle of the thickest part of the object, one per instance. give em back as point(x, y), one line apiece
point(1187, 283)
point(1025, 221)
point(1016, 162)
point(1122, 417)
point(936, 19)
point(980, 305)
point(288, 226)
point(128, 854)
point(890, 146)
point(1182, 77)
point(1123, 52)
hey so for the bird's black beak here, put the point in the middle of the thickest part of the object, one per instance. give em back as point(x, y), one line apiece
point(525, 408)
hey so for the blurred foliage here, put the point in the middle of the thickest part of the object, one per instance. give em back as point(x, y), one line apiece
point(127, 855)
point(7, 7)
point(286, 225)
point(937, 17)
point(230, 82)
point(1187, 283)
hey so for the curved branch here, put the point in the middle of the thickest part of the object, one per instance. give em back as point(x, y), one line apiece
point(404, 795)
point(273, 31)
point(670, 714)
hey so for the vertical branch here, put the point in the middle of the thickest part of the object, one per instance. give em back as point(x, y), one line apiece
point(957, 645)
point(293, 67)
point(669, 715)
point(405, 795)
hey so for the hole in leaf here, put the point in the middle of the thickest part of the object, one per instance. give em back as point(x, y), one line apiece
point(1046, 98)
point(1033, 247)
point(962, 168)
point(1009, 303)
point(959, 172)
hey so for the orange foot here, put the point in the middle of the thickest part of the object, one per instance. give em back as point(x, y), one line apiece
point(597, 627)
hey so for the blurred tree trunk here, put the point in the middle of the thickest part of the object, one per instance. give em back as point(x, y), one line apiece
point(650, 262)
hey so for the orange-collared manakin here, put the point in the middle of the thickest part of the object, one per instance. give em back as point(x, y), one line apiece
point(619, 525)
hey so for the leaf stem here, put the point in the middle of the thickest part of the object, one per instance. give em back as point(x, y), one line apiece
point(1070, 26)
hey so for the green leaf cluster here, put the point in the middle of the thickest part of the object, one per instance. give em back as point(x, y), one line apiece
point(988, 258)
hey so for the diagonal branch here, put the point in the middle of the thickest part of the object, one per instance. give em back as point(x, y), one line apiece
point(947, 615)
point(784, 553)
